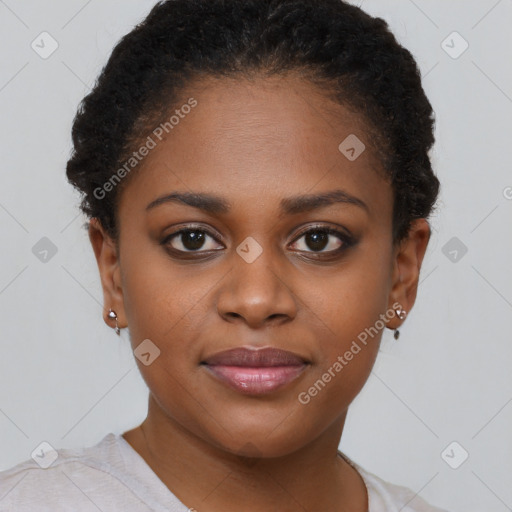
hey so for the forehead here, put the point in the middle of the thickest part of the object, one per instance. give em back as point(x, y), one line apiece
point(263, 137)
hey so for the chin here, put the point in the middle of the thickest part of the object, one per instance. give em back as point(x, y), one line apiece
point(263, 443)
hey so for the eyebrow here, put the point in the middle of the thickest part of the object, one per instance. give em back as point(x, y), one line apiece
point(289, 206)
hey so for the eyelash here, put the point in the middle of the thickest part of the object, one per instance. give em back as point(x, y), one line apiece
point(347, 240)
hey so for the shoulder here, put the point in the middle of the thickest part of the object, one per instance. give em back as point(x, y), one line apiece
point(388, 497)
point(69, 479)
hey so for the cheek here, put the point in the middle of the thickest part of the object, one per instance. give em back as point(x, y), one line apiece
point(350, 301)
point(346, 354)
point(348, 309)
point(165, 304)
point(163, 299)
point(170, 305)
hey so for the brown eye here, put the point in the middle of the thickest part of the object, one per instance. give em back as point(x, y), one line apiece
point(191, 240)
point(322, 240)
point(316, 240)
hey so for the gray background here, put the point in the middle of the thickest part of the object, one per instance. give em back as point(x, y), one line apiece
point(66, 378)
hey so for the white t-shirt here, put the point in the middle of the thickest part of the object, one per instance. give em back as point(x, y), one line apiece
point(111, 476)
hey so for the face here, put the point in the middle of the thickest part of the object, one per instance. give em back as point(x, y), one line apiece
point(251, 259)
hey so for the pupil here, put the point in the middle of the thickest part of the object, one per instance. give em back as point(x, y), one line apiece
point(317, 240)
point(192, 240)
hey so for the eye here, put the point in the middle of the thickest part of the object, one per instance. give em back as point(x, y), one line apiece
point(191, 240)
point(319, 238)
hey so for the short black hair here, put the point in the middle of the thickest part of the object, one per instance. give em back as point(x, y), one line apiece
point(326, 41)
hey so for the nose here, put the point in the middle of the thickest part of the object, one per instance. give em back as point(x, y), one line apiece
point(256, 293)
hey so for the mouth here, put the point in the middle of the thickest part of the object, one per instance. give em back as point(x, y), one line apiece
point(255, 371)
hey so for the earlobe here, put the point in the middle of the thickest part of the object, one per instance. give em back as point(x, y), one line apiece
point(407, 265)
point(107, 260)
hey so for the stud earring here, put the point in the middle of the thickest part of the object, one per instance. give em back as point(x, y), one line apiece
point(113, 314)
point(400, 313)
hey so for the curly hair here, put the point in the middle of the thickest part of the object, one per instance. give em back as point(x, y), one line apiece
point(328, 42)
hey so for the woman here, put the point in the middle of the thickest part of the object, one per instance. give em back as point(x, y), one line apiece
point(257, 180)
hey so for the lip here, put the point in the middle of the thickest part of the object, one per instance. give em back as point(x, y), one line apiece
point(255, 371)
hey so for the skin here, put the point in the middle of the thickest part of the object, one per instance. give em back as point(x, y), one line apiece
point(254, 143)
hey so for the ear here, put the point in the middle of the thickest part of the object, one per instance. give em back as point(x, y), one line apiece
point(407, 260)
point(107, 259)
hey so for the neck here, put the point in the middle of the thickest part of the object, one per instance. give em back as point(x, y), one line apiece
point(209, 478)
